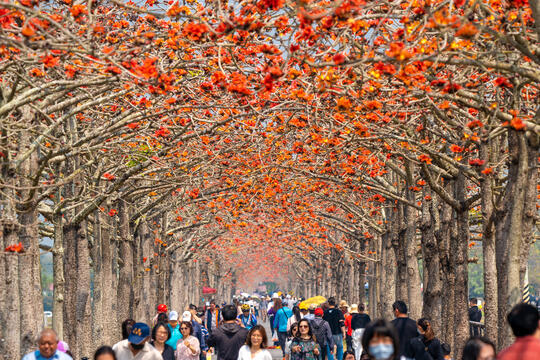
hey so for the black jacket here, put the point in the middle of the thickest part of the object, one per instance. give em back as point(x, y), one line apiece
point(423, 349)
point(407, 330)
point(168, 352)
point(359, 321)
point(228, 339)
point(475, 314)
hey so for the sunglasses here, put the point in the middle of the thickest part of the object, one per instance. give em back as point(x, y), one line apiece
point(303, 326)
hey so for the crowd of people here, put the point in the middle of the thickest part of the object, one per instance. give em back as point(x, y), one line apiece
point(328, 331)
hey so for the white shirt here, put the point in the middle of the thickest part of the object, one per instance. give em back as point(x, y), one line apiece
point(245, 354)
point(148, 352)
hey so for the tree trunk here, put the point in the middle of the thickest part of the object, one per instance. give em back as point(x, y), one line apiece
point(432, 278)
point(487, 152)
point(124, 307)
point(58, 274)
point(443, 238)
point(460, 264)
point(10, 315)
point(77, 309)
point(388, 277)
point(509, 232)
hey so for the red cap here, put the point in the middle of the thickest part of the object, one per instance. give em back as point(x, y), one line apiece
point(319, 312)
point(162, 308)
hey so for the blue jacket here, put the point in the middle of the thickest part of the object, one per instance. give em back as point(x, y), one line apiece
point(280, 321)
point(175, 336)
point(197, 332)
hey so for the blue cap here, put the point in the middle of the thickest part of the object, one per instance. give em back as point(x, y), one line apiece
point(139, 333)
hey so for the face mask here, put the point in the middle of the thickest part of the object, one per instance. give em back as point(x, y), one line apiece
point(381, 351)
point(137, 346)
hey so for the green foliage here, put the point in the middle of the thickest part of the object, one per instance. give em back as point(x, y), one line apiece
point(476, 272)
point(534, 268)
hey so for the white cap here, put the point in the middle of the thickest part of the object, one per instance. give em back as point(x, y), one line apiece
point(186, 316)
point(288, 296)
point(173, 316)
point(275, 296)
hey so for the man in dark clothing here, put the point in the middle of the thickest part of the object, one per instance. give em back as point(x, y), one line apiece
point(405, 327)
point(360, 319)
point(322, 332)
point(336, 320)
point(229, 337)
point(474, 315)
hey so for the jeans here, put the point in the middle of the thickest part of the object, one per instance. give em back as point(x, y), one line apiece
point(338, 339)
point(282, 337)
point(348, 341)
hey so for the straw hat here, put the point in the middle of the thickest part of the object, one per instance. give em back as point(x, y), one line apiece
point(343, 303)
point(354, 309)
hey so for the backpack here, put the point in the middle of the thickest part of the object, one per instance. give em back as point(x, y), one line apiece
point(319, 330)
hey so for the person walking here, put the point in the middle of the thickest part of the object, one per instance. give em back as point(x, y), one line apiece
point(161, 309)
point(283, 314)
point(336, 320)
point(479, 348)
point(213, 317)
point(311, 312)
point(160, 335)
point(272, 312)
point(304, 346)
point(323, 334)
point(426, 346)
point(255, 347)
point(406, 328)
point(293, 332)
point(347, 314)
point(104, 353)
point(247, 319)
point(524, 320)
point(359, 321)
point(297, 316)
point(47, 348)
point(188, 348)
point(380, 341)
point(174, 328)
point(197, 329)
point(474, 315)
point(136, 346)
point(229, 337)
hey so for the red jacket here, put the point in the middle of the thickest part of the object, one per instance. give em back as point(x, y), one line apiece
point(524, 348)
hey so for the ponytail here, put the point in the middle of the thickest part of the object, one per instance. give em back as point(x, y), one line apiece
point(426, 327)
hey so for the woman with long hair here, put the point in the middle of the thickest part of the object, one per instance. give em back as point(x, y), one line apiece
point(380, 341)
point(293, 332)
point(297, 316)
point(479, 348)
point(304, 346)
point(426, 343)
point(160, 334)
point(255, 347)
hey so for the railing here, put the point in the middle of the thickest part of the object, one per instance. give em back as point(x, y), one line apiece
point(476, 328)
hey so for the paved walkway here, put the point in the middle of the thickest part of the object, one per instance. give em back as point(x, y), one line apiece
point(276, 353)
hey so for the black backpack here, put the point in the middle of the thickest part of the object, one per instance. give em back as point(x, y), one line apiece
point(319, 330)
